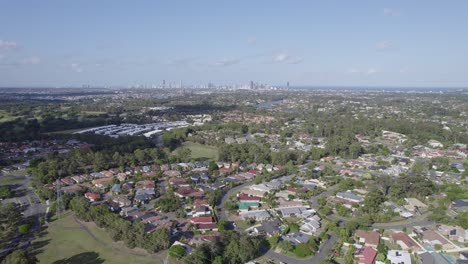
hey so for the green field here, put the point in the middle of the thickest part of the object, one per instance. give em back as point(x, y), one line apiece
point(4, 180)
point(5, 116)
point(66, 241)
point(93, 113)
point(202, 152)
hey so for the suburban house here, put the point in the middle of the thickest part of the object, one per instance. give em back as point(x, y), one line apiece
point(201, 210)
point(116, 188)
point(414, 204)
point(258, 215)
point(348, 196)
point(243, 197)
point(144, 195)
point(292, 211)
point(432, 238)
point(399, 257)
point(121, 200)
point(296, 238)
point(204, 223)
point(405, 241)
point(365, 255)
point(454, 233)
point(269, 228)
point(92, 196)
point(310, 225)
point(102, 182)
point(246, 206)
point(202, 220)
point(368, 238)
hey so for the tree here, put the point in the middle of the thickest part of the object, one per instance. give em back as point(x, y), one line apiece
point(81, 207)
point(285, 246)
point(273, 241)
point(372, 202)
point(302, 250)
point(10, 217)
point(177, 251)
point(322, 201)
point(6, 192)
point(222, 225)
point(19, 256)
point(183, 154)
point(24, 229)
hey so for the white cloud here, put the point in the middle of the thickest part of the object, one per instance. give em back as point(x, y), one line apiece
point(76, 67)
point(286, 58)
point(371, 71)
point(391, 12)
point(31, 60)
point(384, 45)
point(7, 44)
point(225, 62)
point(281, 57)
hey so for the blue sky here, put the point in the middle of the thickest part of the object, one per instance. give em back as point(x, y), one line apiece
point(317, 43)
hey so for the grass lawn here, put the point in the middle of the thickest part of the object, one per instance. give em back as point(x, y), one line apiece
point(66, 241)
point(5, 116)
point(93, 113)
point(4, 180)
point(13, 177)
point(202, 152)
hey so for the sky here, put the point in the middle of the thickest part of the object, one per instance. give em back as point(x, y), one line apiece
point(388, 43)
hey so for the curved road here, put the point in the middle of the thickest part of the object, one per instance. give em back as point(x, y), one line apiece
point(324, 248)
point(328, 245)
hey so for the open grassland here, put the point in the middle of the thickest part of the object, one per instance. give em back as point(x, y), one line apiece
point(5, 116)
point(67, 241)
point(202, 152)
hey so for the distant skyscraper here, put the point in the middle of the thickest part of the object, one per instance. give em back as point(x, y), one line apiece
point(287, 85)
point(164, 84)
point(251, 85)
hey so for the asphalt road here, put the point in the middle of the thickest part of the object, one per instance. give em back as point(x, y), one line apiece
point(328, 245)
point(324, 248)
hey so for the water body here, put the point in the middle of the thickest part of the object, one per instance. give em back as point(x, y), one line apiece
point(269, 103)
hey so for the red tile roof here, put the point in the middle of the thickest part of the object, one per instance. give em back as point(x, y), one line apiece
point(246, 197)
point(93, 196)
point(366, 255)
point(202, 220)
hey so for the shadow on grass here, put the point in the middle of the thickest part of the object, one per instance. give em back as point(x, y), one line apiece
point(82, 258)
point(36, 247)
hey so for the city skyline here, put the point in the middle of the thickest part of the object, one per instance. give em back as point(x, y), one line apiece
point(332, 43)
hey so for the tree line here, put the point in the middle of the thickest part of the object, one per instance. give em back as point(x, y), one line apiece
point(133, 234)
